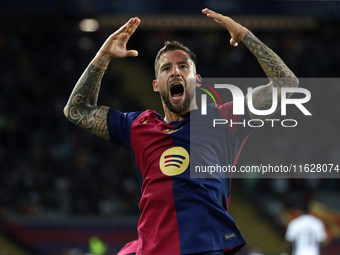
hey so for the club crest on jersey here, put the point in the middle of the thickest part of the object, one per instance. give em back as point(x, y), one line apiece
point(174, 161)
point(169, 131)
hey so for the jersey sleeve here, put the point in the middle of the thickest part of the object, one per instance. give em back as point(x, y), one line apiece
point(119, 125)
point(322, 235)
point(290, 233)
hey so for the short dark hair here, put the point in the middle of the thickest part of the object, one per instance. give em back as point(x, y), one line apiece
point(173, 45)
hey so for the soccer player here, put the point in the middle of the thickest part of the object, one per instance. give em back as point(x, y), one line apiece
point(179, 214)
point(306, 233)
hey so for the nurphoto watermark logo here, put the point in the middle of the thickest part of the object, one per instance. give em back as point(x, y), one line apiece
point(279, 100)
point(246, 129)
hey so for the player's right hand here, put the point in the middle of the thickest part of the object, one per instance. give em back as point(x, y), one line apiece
point(115, 45)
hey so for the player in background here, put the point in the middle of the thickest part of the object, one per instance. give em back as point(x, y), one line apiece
point(306, 233)
point(179, 214)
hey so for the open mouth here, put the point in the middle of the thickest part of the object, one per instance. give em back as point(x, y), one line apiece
point(176, 90)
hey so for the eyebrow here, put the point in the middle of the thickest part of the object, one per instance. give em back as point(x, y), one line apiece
point(178, 63)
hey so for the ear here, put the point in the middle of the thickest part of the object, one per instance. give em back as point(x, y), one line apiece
point(155, 85)
point(198, 80)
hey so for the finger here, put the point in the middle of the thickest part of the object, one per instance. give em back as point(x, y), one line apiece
point(233, 42)
point(208, 11)
point(212, 14)
point(124, 27)
point(129, 27)
point(133, 25)
point(131, 53)
point(218, 21)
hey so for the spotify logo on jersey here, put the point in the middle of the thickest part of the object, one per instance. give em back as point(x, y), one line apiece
point(174, 161)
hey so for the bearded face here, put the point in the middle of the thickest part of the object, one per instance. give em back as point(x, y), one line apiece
point(175, 71)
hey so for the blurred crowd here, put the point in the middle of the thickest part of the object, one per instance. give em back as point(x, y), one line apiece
point(49, 166)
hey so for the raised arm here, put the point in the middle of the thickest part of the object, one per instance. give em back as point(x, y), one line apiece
point(276, 70)
point(81, 108)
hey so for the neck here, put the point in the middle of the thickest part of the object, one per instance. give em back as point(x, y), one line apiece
point(171, 116)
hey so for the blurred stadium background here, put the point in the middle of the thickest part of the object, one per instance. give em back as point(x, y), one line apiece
point(60, 186)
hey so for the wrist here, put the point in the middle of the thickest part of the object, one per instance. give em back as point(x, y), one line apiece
point(101, 60)
point(243, 33)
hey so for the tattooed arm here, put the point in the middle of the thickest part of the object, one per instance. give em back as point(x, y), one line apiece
point(278, 73)
point(276, 70)
point(81, 108)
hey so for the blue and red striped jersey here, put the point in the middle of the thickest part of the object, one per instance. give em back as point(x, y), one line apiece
point(181, 214)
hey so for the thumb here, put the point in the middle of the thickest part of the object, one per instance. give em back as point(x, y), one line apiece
point(233, 42)
point(131, 53)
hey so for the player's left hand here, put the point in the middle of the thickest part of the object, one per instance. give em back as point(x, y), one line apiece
point(236, 30)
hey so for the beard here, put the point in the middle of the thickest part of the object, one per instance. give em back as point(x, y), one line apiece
point(180, 107)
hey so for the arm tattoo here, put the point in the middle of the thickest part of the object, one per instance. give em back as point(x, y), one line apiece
point(82, 108)
point(273, 66)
